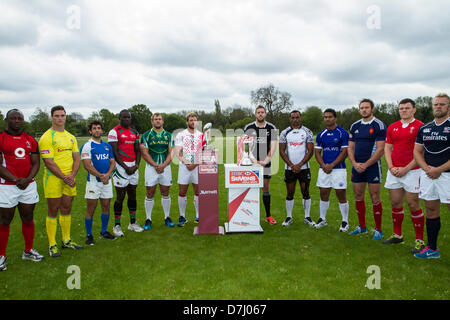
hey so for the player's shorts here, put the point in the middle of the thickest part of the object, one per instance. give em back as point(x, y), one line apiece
point(152, 178)
point(303, 176)
point(98, 190)
point(55, 187)
point(409, 182)
point(185, 176)
point(11, 195)
point(120, 177)
point(337, 179)
point(371, 175)
point(435, 189)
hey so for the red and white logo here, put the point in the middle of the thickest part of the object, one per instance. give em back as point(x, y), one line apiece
point(243, 177)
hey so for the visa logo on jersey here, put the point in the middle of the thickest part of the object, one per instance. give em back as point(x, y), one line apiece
point(244, 177)
point(101, 156)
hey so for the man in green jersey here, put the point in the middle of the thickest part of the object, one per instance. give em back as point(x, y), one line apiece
point(156, 149)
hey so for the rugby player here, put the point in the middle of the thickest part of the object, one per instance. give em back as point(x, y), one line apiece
point(365, 149)
point(265, 134)
point(188, 146)
point(59, 151)
point(404, 174)
point(432, 153)
point(333, 142)
point(156, 149)
point(98, 160)
point(296, 148)
point(20, 164)
point(124, 141)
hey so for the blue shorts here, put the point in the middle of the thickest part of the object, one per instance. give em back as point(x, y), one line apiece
point(371, 175)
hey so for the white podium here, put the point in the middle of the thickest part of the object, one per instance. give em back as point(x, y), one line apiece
point(243, 184)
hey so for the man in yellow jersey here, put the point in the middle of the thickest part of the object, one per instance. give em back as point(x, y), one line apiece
point(59, 151)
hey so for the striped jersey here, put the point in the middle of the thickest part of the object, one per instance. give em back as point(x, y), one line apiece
point(126, 139)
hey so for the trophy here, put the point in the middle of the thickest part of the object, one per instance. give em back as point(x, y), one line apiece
point(245, 146)
point(206, 136)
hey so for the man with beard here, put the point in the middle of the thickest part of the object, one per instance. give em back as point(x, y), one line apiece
point(432, 153)
point(365, 149)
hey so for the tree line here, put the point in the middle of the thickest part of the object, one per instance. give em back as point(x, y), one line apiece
point(278, 105)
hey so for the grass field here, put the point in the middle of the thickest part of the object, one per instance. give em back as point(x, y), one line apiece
point(291, 263)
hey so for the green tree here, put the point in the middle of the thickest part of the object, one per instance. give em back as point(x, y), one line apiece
point(40, 121)
point(141, 117)
point(109, 119)
point(173, 121)
point(312, 118)
point(424, 109)
point(275, 101)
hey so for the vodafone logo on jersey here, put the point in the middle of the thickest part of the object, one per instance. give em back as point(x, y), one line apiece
point(19, 152)
point(244, 177)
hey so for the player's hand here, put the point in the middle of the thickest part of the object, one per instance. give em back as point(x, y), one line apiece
point(159, 168)
point(69, 180)
point(191, 166)
point(104, 179)
point(394, 171)
point(22, 183)
point(433, 172)
point(401, 172)
point(360, 167)
point(296, 168)
point(327, 168)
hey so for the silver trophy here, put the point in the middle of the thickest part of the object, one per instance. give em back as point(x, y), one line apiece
point(207, 136)
point(246, 145)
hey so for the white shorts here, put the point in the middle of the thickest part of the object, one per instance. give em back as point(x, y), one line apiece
point(435, 189)
point(152, 178)
point(11, 195)
point(122, 179)
point(337, 179)
point(409, 182)
point(96, 190)
point(185, 176)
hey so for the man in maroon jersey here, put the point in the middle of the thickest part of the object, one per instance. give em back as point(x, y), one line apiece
point(20, 164)
point(403, 176)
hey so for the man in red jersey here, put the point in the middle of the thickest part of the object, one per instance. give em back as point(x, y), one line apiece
point(20, 164)
point(124, 141)
point(403, 175)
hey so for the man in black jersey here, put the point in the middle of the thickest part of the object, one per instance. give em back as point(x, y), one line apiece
point(432, 153)
point(265, 135)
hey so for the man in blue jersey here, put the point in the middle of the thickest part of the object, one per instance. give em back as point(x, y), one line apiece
point(365, 149)
point(432, 153)
point(331, 151)
point(98, 160)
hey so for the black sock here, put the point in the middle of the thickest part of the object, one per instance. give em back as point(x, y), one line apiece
point(266, 201)
point(433, 227)
point(117, 213)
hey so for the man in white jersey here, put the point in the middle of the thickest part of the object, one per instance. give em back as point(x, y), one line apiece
point(188, 145)
point(296, 148)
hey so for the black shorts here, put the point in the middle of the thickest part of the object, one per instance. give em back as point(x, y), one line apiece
point(303, 176)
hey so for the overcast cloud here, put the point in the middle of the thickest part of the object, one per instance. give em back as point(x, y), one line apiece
point(178, 55)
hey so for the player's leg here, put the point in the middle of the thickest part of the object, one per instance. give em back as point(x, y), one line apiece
point(397, 197)
point(290, 182)
point(418, 220)
point(377, 207)
point(6, 216)
point(26, 214)
point(166, 203)
point(359, 190)
point(266, 199)
point(105, 204)
point(305, 179)
point(132, 207)
point(323, 207)
point(118, 205)
point(341, 194)
point(182, 200)
point(148, 205)
point(196, 194)
point(65, 221)
point(51, 225)
point(433, 225)
point(91, 205)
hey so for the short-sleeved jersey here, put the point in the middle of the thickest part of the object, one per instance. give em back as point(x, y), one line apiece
point(331, 142)
point(435, 139)
point(190, 143)
point(402, 137)
point(263, 137)
point(158, 144)
point(16, 153)
point(126, 139)
point(296, 141)
point(365, 135)
point(59, 146)
point(99, 154)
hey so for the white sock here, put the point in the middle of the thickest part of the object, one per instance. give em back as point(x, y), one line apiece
point(182, 205)
point(307, 207)
point(165, 202)
point(324, 205)
point(344, 211)
point(289, 207)
point(196, 205)
point(149, 207)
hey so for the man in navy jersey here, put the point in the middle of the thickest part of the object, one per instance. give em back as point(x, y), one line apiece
point(20, 163)
point(98, 160)
point(331, 151)
point(365, 149)
point(265, 135)
point(432, 153)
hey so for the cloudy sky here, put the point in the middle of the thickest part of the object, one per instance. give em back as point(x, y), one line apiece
point(176, 55)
